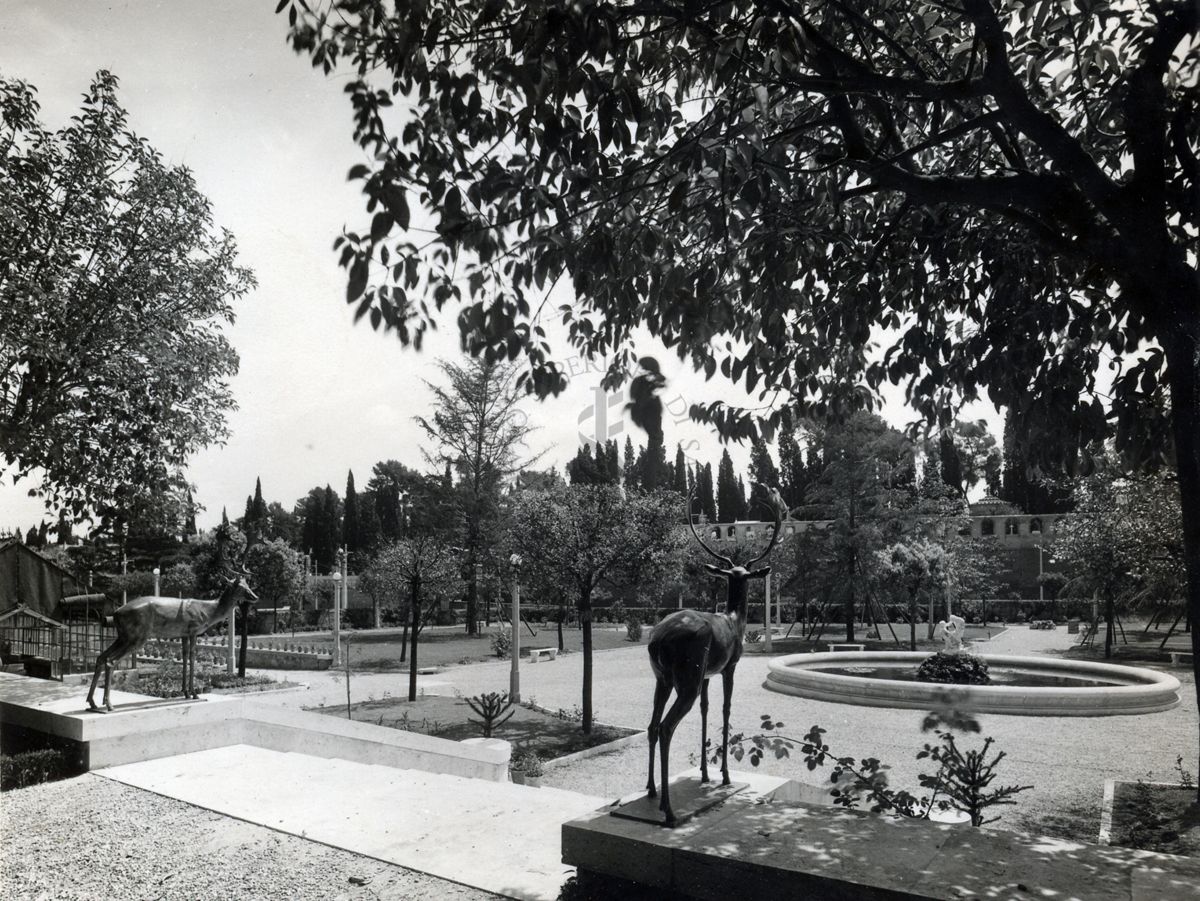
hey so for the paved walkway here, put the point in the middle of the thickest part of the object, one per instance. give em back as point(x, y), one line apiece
point(499, 837)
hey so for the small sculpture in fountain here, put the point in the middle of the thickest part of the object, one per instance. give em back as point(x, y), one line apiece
point(954, 664)
point(950, 631)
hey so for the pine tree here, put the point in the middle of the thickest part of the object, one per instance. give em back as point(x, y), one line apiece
point(351, 520)
point(708, 502)
point(224, 519)
point(691, 478)
point(630, 475)
point(681, 473)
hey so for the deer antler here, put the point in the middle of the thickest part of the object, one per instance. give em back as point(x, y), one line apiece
point(777, 506)
point(728, 561)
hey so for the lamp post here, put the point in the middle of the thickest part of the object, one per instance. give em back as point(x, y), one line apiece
point(337, 632)
point(767, 611)
point(514, 679)
point(156, 572)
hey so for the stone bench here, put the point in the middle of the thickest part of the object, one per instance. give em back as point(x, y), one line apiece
point(1181, 658)
point(846, 646)
point(536, 654)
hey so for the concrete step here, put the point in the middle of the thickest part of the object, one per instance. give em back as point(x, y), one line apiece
point(495, 836)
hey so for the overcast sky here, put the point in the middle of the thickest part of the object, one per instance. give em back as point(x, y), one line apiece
point(214, 86)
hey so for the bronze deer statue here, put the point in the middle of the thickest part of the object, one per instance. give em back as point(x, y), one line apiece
point(688, 647)
point(157, 617)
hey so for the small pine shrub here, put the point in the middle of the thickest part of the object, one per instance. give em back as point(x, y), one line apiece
point(954, 669)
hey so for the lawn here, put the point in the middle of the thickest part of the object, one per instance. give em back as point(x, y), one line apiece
point(379, 651)
point(530, 731)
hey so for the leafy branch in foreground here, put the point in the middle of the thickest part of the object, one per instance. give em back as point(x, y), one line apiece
point(962, 781)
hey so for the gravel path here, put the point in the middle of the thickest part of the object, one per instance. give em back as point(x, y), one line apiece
point(90, 838)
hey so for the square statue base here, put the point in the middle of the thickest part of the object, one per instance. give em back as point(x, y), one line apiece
point(689, 797)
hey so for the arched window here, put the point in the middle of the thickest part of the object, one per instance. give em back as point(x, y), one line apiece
point(789, 530)
point(716, 534)
point(987, 527)
point(1035, 526)
point(1012, 527)
point(731, 532)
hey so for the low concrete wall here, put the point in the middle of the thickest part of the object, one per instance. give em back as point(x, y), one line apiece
point(142, 728)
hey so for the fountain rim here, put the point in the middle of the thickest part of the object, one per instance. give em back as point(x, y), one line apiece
point(1136, 690)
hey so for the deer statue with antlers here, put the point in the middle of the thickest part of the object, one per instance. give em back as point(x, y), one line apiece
point(688, 647)
point(157, 617)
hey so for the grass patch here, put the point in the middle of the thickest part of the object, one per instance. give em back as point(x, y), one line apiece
point(1163, 818)
point(530, 731)
point(379, 652)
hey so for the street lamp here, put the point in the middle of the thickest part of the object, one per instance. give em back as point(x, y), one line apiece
point(514, 679)
point(156, 571)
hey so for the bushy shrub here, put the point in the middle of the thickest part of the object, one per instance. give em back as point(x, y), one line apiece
point(633, 627)
point(166, 681)
point(954, 669)
point(502, 642)
point(32, 768)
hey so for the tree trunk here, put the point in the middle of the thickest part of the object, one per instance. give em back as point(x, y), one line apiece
point(912, 622)
point(404, 642)
point(245, 608)
point(585, 623)
point(412, 653)
point(472, 597)
point(1108, 624)
point(1182, 348)
point(561, 617)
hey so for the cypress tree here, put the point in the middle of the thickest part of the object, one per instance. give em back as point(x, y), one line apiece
point(708, 502)
point(762, 467)
point(654, 465)
point(730, 500)
point(681, 473)
point(743, 506)
point(351, 524)
point(612, 463)
point(630, 474)
point(952, 473)
point(791, 469)
point(189, 521)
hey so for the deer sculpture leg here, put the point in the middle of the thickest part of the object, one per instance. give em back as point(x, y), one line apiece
point(104, 661)
point(704, 731)
point(726, 703)
point(685, 697)
point(662, 690)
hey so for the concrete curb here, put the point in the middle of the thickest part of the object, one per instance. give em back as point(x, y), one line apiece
point(1106, 812)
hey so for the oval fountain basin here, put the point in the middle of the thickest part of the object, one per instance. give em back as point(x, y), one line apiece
point(1021, 686)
